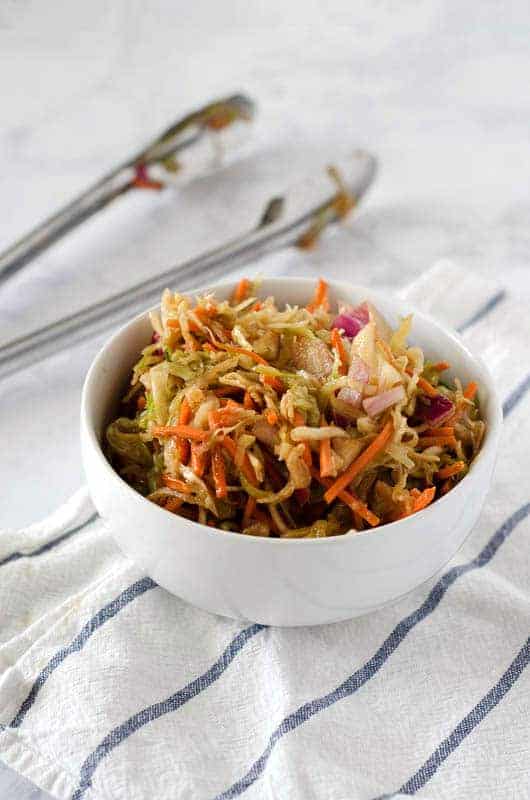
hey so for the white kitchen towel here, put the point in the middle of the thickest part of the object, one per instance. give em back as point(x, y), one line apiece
point(113, 689)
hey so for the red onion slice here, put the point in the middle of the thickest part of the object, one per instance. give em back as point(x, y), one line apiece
point(434, 409)
point(374, 405)
point(352, 319)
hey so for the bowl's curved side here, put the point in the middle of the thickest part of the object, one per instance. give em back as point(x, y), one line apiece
point(282, 582)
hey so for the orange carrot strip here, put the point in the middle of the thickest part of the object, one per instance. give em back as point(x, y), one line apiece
point(174, 483)
point(423, 499)
point(272, 417)
point(226, 391)
point(325, 458)
point(446, 486)
point(362, 461)
point(244, 352)
point(320, 298)
point(299, 419)
point(141, 402)
point(174, 324)
point(199, 458)
point(437, 441)
point(352, 501)
point(442, 431)
point(233, 404)
point(224, 417)
point(450, 470)
point(470, 390)
point(185, 413)
point(219, 473)
point(173, 504)
point(205, 312)
point(247, 468)
point(241, 291)
point(424, 385)
point(274, 382)
point(441, 366)
point(338, 344)
point(427, 388)
point(257, 306)
point(325, 454)
point(248, 403)
point(181, 430)
point(250, 509)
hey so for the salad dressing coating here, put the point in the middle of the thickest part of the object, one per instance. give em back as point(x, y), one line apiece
point(287, 421)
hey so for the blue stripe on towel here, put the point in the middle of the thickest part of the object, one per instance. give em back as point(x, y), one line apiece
point(172, 703)
point(372, 667)
point(516, 396)
point(49, 545)
point(483, 311)
point(470, 721)
point(104, 615)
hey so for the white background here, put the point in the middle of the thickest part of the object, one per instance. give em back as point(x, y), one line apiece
point(438, 90)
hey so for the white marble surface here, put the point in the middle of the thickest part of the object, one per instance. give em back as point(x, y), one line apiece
point(438, 90)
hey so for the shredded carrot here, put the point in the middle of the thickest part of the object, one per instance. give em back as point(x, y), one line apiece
point(248, 403)
point(174, 324)
point(241, 291)
point(199, 458)
point(233, 404)
point(320, 298)
point(185, 412)
point(250, 508)
point(224, 417)
point(326, 466)
point(174, 483)
point(205, 312)
point(450, 470)
point(272, 417)
point(441, 366)
point(427, 388)
point(441, 431)
point(181, 430)
point(446, 486)
point(209, 346)
point(226, 391)
point(470, 390)
point(173, 504)
point(141, 402)
point(299, 419)
point(338, 344)
point(423, 384)
point(257, 306)
point(219, 473)
point(349, 499)
point(246, 467)
point(274, 382)
point(437, 441)
point(362, 461)
point(242, 351)
point(423, 499)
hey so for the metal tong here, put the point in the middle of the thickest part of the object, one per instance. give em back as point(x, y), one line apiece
point(133, 173)
point(302, 226)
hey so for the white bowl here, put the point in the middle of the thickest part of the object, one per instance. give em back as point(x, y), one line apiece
point(277, 581)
